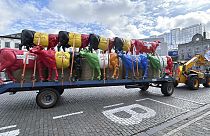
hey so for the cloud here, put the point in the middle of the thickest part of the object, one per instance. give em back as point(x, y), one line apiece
point(166, 23)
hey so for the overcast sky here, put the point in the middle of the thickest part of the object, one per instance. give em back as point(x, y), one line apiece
point(109, 18)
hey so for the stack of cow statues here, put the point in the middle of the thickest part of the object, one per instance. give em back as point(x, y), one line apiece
point(100, 54)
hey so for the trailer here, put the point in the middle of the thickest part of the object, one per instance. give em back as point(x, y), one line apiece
point(49, 92)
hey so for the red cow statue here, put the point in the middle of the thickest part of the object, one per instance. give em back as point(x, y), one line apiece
point(46, 58)
point(144, 47)
point(13, 59)
point(169, 67)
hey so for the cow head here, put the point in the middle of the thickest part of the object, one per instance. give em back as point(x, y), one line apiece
point(36, 49)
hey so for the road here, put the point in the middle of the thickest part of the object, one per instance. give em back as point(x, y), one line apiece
point(108, 111)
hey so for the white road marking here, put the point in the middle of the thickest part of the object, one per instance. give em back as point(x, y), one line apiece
point(189, 100)
point(187, 124)
point(61, 116)
point(113, 105)
point(135, 117)
point(141, 99)
point(161, 103)
point(11, 133)
point(7, 127)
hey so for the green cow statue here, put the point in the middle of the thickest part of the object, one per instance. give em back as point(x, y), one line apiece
point(93, 61)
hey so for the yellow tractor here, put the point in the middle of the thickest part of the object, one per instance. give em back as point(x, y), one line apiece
point(192, 77)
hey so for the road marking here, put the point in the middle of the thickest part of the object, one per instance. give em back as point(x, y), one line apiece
point(162, 103)
point(135, 117)
point(11, 133)
point(61, 116)
point(113, 105)
point(189, 100)
point(187, 124)
point(141, 99)
point(7, 127)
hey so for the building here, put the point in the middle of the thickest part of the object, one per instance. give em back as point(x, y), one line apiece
point(198, 45)
point(180, 36)
point(162, 49)
point(10, 41)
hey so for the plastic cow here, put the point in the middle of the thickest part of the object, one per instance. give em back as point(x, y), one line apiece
point(131, 61)
point(13, 59)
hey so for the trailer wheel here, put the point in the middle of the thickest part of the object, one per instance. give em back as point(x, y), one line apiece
point(193, 83)
point(167, 88)
point(47, 98)
point(144, 87)
point(207, 83)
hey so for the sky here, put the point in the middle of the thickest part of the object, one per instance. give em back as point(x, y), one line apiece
point(109, 18)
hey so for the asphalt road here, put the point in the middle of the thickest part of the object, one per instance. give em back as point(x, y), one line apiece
point(108, 111)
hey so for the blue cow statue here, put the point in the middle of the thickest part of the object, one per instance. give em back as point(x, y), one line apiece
point(131, 61)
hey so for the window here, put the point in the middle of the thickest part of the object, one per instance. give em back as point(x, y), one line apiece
point(16, 45)
point(7, 44)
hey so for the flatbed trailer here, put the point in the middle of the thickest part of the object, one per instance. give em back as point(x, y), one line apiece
point(49, 92)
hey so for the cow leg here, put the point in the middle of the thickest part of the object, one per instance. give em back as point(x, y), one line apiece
point(93, 74)
point(28, 48)
point(2, 67)
point(58, 47)
point(126, 72)
point(49, 74)
point(64, 48)
point(145, 68)
point(99, 73)
point(20, 46)
point(56, 74)
point(40, 71)
point(10, 75)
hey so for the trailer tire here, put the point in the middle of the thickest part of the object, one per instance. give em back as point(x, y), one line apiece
point(47, 98)
point(193, 83)
point(144, 87)
point(207, 83)
point(167, 88)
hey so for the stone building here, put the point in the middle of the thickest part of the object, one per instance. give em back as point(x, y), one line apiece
point(198, 45)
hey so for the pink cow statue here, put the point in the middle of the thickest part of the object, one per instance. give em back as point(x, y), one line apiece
point(46, 59)
point(13, 59)
point(144, 47)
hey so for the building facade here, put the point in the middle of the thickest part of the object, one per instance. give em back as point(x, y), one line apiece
point(197, 45)
point(181, 36)
point(10, 41)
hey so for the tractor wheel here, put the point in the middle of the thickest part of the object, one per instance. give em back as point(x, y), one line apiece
point(167, 88)
point(207, 83)
point(193, 83)
point(47, 98)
